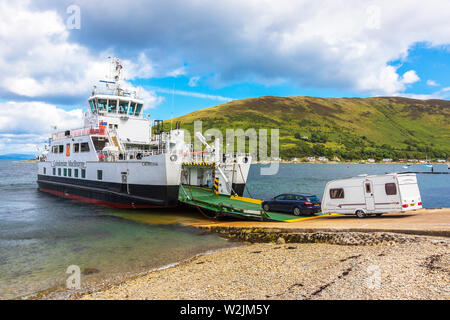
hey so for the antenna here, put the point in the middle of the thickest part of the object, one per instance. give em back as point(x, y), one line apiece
point(171, 111)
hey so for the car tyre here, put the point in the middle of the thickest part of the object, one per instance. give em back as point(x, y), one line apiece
point(360, 214)
point(378, 214)
point(297, 211)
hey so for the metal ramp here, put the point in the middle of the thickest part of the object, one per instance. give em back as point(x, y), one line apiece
point(219, 205)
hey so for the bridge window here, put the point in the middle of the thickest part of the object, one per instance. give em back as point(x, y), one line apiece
point(65, 172)
point(83, 173)
point(132, 109)
point(45, 170)
point(101, 103)
point(99, 174)
point(69, 172)
point(112, 106)
point(84, 146)
point(138, 109)
point(92, 105)
point(123, 106)
point(75, 173)
point(59, 171)
point(61, 148)
point(76, 147)
point(54, 171)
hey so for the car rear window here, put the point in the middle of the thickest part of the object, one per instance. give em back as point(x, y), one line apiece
point(313, 198)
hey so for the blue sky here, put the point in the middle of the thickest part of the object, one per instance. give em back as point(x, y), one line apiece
point(210, 52)
point(431, 64)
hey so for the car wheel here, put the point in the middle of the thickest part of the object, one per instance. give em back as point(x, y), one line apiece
point(297, 212)
point(266, 207)
point(360, 214)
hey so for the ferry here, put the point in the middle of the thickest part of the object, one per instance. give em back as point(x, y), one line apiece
point(120, 158)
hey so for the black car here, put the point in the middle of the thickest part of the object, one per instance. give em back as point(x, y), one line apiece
point(296, 203)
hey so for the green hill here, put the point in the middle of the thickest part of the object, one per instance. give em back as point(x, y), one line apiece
point(350, 128)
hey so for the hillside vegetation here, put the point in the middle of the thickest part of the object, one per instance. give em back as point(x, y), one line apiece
point(350, 128)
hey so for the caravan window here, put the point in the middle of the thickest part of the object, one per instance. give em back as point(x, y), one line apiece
point(337, 193)
point(368, 188)
point(390, 188)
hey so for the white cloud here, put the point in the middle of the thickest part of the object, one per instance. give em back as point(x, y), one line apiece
point(24, 126)
point(194, 94)
point(36, 118)
point(317, 44)
point(177, 72)
point(326, 45)
point(41, 62)
point(410, 77)
point(432, 83)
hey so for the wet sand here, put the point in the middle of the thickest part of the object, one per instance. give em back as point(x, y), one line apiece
point(423, 222)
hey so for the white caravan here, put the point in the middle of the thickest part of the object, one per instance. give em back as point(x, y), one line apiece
point(368, 195)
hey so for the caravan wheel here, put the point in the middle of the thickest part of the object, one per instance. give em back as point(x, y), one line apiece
point(360, 214)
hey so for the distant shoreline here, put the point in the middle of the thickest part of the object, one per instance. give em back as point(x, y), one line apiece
point(24, 161)
point(346, 162)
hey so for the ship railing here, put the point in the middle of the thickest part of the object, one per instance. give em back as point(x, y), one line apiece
point(78, 132)
point(205, 156)
point(113, 156)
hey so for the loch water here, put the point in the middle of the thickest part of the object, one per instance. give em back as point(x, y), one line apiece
point(41, 235)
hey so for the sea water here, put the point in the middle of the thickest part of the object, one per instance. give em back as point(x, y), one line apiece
point(41, 235)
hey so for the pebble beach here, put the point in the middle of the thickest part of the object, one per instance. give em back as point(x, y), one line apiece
point(414, 269)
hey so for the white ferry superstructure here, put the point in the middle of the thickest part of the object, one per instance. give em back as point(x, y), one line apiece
point(116, 160)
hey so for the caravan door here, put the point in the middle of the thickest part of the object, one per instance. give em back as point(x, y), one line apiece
point(368, 194)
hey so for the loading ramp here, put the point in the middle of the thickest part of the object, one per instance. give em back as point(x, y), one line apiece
point(206, 201)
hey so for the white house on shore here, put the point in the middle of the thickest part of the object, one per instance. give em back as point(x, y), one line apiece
point(371, 160)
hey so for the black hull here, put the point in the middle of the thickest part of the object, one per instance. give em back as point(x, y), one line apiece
point(239, 188)
point(111, 194)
